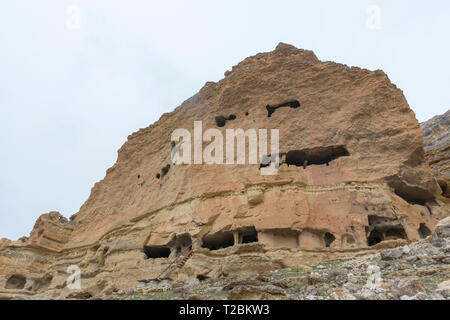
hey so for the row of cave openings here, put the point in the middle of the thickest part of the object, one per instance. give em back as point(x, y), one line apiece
point(274, 238)
point(222, 120)
point(182, 245)
point(20, 282)
point(379, 229)
point(384, 228)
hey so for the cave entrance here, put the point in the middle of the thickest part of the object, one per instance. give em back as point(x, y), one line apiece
point(392, 234)
point(154, 252)
point(297, 158)
point(218, 240)
point(248, 235)
point(292, 104)
point(329, 239)
point(221, 120)
point(182, 244)
point(385, 228)
point(424, 231)
point(315, 156)
point(374, 238)
point(42, 284)
point(202, 277)
point(445, 188)
point(16, 281)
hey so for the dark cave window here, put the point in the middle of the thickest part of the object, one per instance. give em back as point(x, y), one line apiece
point(218, 241)
point(424, 231)
point(153, 252)
point(374, 238)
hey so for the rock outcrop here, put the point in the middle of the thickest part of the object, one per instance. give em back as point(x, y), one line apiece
point(436, 135)
point(51, 231)
point(352, 180)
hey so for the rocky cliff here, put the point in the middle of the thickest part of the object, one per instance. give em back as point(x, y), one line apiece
point(352, 179)
point(436, 135)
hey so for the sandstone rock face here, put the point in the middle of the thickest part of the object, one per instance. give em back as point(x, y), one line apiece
point(4, 243)
point(352, 179)
point(51, 231)
point(437, 146)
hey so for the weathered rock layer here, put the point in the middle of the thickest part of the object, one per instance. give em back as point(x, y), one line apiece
point(352, 178)
point(437, 147)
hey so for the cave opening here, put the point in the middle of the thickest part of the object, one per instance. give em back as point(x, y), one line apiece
point(424, 231)
point(444, 188)
point(222, 120)
point(154, 252)
point(218, 240)
point(329, 239)
point(297, 158)
point(182, 243)
point(248, 235)
point(411, 194)
point(42, 284)
point(315, 156)
point(16, 281)
point(374, 238)
point(395, 233)
point(292, 104)
point(165, 170)
point(202, 277)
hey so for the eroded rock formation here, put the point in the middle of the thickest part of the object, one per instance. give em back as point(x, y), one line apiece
point(437, 147)
point(352, 179)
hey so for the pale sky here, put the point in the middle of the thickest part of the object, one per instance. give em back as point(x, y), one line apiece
point(71, 90)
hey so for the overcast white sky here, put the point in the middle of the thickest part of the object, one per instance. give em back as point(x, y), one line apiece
point(71, 93)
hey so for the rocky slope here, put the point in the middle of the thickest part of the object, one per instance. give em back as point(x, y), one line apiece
point(352, 180)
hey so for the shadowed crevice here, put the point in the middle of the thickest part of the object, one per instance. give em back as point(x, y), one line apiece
point(292, 104)
point(315, 156)
point(221, 120)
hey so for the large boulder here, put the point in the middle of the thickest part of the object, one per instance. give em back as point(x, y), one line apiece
point(442, 229)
